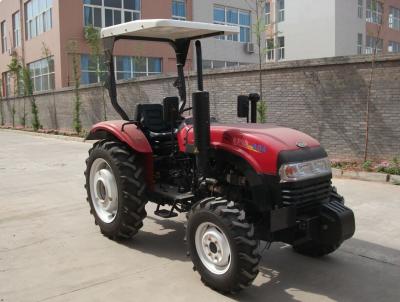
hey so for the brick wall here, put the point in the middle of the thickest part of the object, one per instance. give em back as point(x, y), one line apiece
point(325, 98)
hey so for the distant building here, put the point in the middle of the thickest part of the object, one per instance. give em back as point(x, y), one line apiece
point(305, 29)
point(40, 32)
point(233, 50)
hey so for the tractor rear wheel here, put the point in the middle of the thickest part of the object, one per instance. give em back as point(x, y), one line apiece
point(115, 188)
point(222, 245)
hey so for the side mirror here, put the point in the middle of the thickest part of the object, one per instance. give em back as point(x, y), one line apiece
point(254, 97)
point(243, 106)
point(170, 109)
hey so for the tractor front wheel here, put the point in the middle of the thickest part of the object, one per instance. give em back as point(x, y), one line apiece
point(115, 188)
point(222, 245)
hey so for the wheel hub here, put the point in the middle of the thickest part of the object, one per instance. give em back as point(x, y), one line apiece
point(213, 248)
point(104, 191)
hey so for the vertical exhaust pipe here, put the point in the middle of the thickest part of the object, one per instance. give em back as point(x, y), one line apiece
point(201, 118)
point(201, 127)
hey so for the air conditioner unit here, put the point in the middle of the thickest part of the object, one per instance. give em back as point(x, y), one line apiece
point(249, 47)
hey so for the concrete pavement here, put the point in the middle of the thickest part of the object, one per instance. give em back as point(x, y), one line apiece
point(50, 249)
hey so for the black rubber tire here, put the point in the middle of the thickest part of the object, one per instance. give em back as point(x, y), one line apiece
point(317, 249)
point(240, 234)
point(131, 185)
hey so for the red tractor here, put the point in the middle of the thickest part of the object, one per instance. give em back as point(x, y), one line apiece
point(238, 183)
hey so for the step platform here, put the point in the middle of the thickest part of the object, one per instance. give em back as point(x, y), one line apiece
point(165, 213)
point(169, 194)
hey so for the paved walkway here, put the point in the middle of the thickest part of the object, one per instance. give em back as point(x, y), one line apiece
point(50, 249)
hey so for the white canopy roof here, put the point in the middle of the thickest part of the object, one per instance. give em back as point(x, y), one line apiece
point(166, 29)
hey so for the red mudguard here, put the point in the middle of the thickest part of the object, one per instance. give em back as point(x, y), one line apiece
point(130, 135)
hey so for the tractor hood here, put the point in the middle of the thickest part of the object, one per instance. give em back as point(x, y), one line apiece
point(275, 137)
point(259, 144)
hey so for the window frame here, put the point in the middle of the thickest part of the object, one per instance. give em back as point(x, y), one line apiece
point(393, 20)
point(133, 72)
point(360, 43)
point(42, 21)
point(270, 55)
point(375, 43)
point(395, 45)
point(3, 35)
point(226, 64)
point(281, 11)
point(267, 13)
point(234, 37)
point(177, 17)
point(17, 39)
point(123, 11)
point(50, 74)
point(360, 9)
point(280, 49)
point(374, 15)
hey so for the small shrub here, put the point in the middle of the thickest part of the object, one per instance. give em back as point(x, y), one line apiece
point(392, 167)
point(367, 165)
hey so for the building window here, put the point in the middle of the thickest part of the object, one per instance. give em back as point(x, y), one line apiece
point(270, 50)
point(394, 47)
point(281, 48)
point(374, 11)
point(38, 15)
point(360, 44)
point(104, 13)
point(179, 9)
point(267, 13)
point(232, 16)
point(373, 43)
point(281, 10)
point(3, 29)
point(16, 20)
point(92, 69)
point(394, 18)
point(213, 64)
point(360, 8)
point(134, 67)
point(42, 74)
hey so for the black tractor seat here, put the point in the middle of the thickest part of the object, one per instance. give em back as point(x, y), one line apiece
point(150, 117)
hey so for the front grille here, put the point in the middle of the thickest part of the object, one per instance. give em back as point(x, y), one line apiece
point(306, 194)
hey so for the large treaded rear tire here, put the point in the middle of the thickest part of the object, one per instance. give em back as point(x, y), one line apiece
point(244, 258)
point(129, 176)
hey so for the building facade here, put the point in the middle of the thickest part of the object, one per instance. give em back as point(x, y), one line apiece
point(305, 29)
point(51, 36)
point(46, 36)
point(232, 50)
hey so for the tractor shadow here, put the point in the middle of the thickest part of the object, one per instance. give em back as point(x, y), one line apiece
point(358, 271)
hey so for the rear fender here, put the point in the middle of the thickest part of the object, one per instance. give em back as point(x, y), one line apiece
point(130, 135)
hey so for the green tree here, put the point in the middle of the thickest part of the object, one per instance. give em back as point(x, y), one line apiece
point(72, 49)
point(258, 7)
point(1, 107)
point(15, 70)
point(47, 55)
point(28, 91)
point(92, 37)
point(377, 44)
